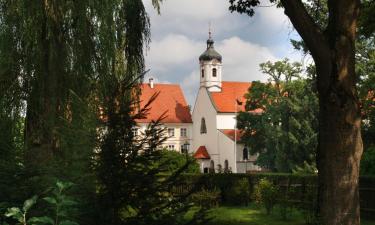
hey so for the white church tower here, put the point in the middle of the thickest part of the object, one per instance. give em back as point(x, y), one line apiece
point(210, 67)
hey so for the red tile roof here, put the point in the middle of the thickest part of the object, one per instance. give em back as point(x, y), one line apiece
point(230, 133)
point(201, 153)
point(225, 101)
point(170, 100)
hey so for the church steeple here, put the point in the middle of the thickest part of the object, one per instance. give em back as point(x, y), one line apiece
point(210, 66)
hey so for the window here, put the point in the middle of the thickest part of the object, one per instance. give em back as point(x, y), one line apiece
point(212, 167)
point(226, 166)
point(202, 73)
point(214, 72)
point(183, 132)
point(184, 149)
point(203, 126)
point(135, 131)
point(245, 154)
point(171, 147)
point(170, 132)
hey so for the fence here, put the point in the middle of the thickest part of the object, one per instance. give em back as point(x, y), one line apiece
point(304, 187)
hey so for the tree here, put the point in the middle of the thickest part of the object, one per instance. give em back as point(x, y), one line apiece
point(285, 134)
point(339, 141)
point(135, 177)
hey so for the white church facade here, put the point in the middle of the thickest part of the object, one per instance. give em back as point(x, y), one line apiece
point(216, 141)
point(209, 133)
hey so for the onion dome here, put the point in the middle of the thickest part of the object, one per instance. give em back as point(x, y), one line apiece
point(210, 53)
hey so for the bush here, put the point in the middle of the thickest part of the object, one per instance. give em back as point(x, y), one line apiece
point(239, 193)
point(174, 161)
point(265, 193)
point(206, 198)
point(61, 207)
point(367, 162)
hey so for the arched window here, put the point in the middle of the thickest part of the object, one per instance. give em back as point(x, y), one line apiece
point(226, 165)
point(245, 154)
point(203, 126)
point(202, 73)
point(214, 72)
point(212, 167)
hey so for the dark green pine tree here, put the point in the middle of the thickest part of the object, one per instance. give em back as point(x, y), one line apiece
point(134, 187)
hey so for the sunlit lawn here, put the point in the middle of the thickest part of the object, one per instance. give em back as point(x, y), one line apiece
point(253, 216)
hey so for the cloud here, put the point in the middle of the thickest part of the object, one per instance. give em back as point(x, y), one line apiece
point(241, 59)
point(174, 49)
point(179, 36)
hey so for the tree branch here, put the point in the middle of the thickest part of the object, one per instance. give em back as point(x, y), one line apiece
point(308, 30)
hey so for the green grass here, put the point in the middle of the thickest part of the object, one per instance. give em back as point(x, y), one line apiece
point(253, 216)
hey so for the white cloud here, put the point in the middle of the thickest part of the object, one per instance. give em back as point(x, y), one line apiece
point(180, 32)
point(173, 50)
point(241, 59)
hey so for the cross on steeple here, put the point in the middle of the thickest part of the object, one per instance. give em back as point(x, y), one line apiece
point(209, 31)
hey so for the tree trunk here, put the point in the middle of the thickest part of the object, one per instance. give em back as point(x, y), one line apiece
point(340, 143)
point(339, 154)
point(45, 97)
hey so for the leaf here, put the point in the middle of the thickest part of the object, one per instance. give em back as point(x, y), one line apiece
point(68, 222)
point(69, 203)
point(29, 203)
point(41, 220)
point(63, 185)
point(50, 200)
point(14, 212)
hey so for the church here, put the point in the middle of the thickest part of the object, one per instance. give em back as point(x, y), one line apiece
point(216, 142)
point(208, 133)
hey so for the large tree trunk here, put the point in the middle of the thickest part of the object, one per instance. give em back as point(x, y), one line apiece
point(340, 143)
point(45, 98)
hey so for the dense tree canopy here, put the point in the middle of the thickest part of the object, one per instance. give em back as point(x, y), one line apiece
point(285, 134)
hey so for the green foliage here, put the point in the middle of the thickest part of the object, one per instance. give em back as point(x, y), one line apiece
point(206, 198)
point(305, 169)
point(174, 161)
point(285, 134)
point(239, 193)
point(368, 162)
point(20, 215)
point(266, 193)
point(60, 205)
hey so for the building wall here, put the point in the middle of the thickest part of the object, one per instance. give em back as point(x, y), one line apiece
point(213, 83)
point(177, 140)
point(226, 149)
point(225, 121)
point(204, 108)
point(245, 165)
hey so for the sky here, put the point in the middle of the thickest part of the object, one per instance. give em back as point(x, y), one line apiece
point(180, 32)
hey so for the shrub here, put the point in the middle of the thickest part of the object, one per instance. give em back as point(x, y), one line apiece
point(239, 193)
point(59, 202)
point(265, 193)
point(206, 198)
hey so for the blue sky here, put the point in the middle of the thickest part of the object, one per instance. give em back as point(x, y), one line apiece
point(180, 32)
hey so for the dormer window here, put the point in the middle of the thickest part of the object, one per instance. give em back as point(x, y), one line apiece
point(214, 72)
point(202, 73)
point(203, 126)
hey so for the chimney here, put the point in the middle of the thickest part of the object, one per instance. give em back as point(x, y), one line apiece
point(151, 82)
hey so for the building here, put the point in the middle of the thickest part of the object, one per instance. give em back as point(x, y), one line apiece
point(172, 106)
point(216, 141)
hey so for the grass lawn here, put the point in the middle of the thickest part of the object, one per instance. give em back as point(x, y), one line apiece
point(253, 216)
